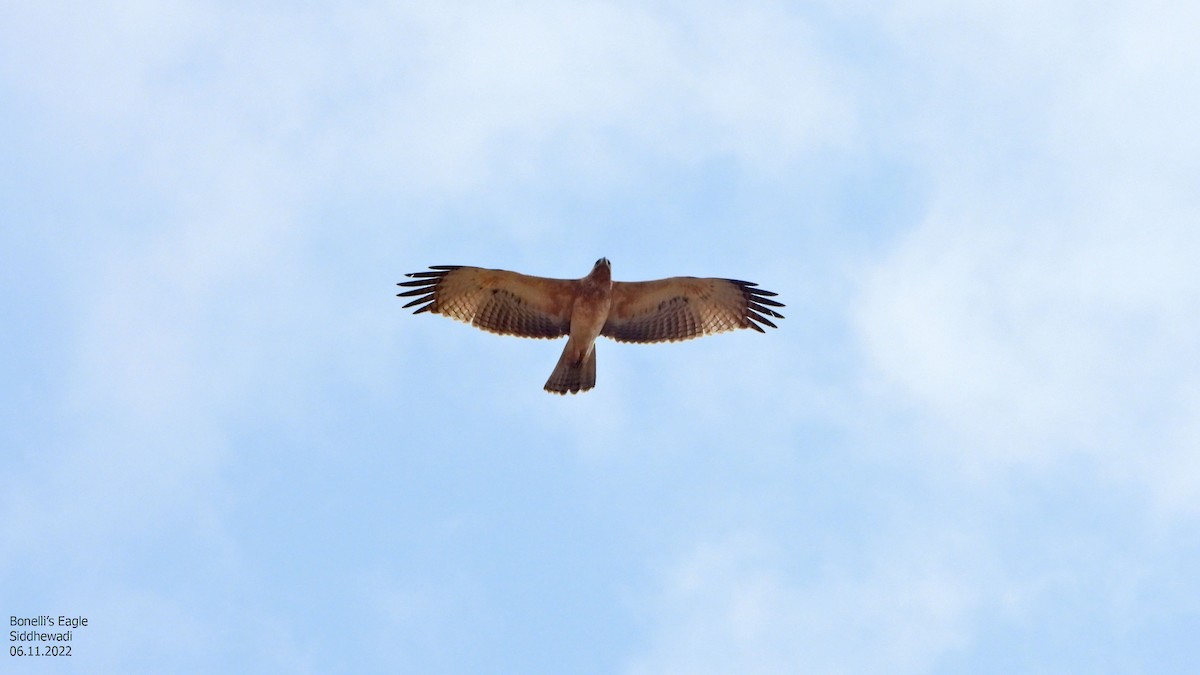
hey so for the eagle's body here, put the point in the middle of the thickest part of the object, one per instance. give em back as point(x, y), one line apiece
point(678, 308)
point(576, 369)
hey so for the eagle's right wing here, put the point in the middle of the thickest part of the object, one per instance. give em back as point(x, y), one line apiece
point(495, 300)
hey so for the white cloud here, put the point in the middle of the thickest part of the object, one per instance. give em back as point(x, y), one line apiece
point(1173, 468)
point(436, 97)
point(734, 607)
point(1042, 307)
point(489, 91)
point(1027, 330)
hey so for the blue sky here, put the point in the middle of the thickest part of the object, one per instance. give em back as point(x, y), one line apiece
point(972, 447)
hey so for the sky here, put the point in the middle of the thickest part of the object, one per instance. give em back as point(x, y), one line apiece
point(973, 445)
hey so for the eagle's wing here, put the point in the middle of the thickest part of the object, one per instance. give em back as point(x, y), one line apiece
point(495, 300)
point(681, 308)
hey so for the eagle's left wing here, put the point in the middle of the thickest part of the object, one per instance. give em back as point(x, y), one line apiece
point(681, 308)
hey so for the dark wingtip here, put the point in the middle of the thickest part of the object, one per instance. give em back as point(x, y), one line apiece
point(416, 291)
point(427, 298)
point(751, 287)
point(765, 310)
point(438, 272)
point(424, 284)
point(758, 305)
point(755, 316)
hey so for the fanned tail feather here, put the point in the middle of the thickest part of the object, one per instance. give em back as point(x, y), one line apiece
point(571, 375)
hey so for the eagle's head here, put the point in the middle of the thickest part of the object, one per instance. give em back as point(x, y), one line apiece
point(602, 270)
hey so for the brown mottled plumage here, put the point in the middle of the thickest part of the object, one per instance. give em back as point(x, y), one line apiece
point(666, 310)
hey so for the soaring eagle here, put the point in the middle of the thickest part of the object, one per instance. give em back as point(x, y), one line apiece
point(665, 310)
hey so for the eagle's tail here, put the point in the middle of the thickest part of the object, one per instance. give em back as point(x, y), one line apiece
point(573, 374)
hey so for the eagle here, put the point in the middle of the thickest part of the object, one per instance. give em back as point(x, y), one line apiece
point(664, 310)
